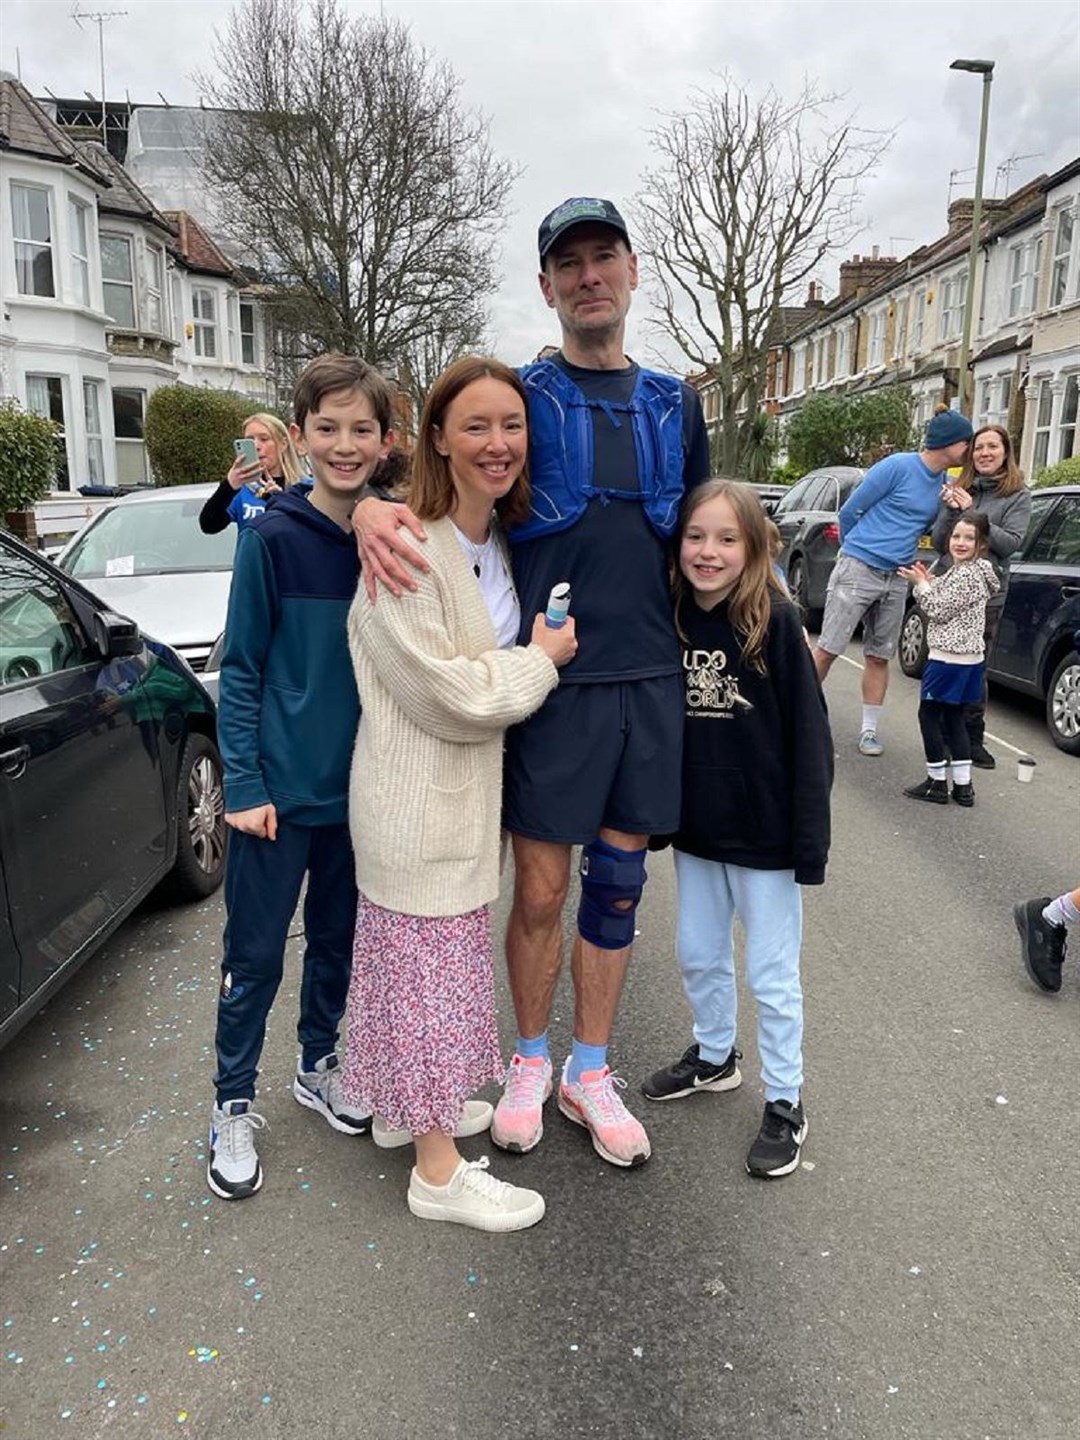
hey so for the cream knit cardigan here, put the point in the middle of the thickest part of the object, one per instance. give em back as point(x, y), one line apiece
point(425, 792)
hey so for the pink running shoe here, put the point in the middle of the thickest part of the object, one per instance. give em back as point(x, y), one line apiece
point(595, 1103)
point(518, 1122)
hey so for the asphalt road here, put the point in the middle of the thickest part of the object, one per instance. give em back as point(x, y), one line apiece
point(918, 1277)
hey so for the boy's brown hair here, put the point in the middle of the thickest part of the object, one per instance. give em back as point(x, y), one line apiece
point(333, 372)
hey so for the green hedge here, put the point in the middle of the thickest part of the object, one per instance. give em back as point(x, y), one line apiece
point(1065, 472)
point(28, 453)
point(190, 432)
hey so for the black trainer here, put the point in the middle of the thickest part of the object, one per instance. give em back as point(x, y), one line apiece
point(1043, 944)
point(691, 1074)
point(982, 759)
point(964, 795)
point(936, 791)
point(776, 1151)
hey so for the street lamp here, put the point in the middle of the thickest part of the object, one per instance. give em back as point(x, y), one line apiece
point(985, 68)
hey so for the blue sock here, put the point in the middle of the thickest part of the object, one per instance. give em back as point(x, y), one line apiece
point(585, 1057)
point(534, 1049)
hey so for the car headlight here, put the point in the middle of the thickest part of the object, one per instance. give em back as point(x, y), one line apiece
point(213, 660)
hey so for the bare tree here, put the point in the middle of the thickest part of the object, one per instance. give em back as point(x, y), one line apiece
point(747, 200)
point(353, 180)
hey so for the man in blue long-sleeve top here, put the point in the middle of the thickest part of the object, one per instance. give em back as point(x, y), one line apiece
point(880, 525)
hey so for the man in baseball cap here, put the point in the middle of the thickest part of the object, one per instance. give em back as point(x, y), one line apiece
point(880, 524)
point(579, 211)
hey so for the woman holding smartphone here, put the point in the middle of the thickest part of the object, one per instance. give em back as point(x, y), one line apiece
point(266, 462)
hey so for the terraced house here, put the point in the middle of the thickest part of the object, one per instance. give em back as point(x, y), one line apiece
point(104, 297)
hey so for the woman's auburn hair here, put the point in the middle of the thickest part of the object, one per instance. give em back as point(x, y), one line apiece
point(750, 601)
point(1009, 478)
point(292, 467)
point(431, 486)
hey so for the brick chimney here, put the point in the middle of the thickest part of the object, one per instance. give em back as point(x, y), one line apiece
point(859, 273)
point(814, 298)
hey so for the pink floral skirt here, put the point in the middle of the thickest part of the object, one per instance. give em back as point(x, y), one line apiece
point(422, 1035)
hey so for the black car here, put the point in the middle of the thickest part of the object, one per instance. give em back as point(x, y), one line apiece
point(110, 778)
point(807, 517)
point(1035, 650)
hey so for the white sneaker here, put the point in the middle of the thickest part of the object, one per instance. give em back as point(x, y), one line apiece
point(475, 1118)
point(473, 1197)
point(320, 1090)
point(232, 1167)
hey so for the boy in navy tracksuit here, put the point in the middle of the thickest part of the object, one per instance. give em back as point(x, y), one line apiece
point(287, 726)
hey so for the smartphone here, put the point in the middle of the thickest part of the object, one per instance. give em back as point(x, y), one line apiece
point(246, 451)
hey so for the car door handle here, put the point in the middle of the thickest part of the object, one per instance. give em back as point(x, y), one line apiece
point(1070, 590)
point(13, 761)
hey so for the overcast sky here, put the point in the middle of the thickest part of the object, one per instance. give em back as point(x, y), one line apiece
point(572, 88)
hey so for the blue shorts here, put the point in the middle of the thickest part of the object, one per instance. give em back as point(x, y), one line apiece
point(953, 684)
point(597, 755)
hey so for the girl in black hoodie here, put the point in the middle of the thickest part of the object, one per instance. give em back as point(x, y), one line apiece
point(757, 771)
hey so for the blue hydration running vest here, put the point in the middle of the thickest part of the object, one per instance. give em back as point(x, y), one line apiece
point(561, 458)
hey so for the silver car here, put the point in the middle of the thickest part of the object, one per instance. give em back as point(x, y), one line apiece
point(146, 557)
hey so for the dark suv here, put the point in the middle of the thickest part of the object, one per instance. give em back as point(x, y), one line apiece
point(809, 527)
point(110, 778)
point(1035, 650)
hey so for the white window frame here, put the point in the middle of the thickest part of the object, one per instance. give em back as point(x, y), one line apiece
point(28, 242)
point(111, 285)
point(842, 368)
point(204, 317)
point(154, 286)
point(1066, 427)
point(1065, 233)
point(875, 349)
point(79, 213)
point(95, 439)
point(129, 444)
point(249, 335)
point(1025, 260)
point(953, 293)
point(1044, 419)
point(40, 380)
point(900, 315)
point(918, 322)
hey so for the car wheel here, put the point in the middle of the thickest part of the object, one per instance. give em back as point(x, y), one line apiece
point(800, 593)
point(1063, 704)
point(913, 643)
point(201, 832)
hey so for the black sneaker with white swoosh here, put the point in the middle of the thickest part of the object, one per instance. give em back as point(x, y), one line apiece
point(690, 1074)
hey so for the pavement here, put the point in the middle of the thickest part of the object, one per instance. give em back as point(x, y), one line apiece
point(918, 1277)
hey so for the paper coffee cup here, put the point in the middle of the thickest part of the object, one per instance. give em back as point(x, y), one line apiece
point(1025, 769)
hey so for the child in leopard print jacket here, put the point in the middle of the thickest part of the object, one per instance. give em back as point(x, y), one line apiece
point(955, 608)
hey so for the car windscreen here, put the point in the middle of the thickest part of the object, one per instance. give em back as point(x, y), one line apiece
point(158, 537)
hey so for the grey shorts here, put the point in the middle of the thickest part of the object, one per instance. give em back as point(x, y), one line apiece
point(859, 592)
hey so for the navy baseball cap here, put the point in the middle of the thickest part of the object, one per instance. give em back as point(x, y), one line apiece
point(578, 211)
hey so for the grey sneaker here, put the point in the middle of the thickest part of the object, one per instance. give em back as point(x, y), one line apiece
point(869, 744)
point(320, 1090)
point(475, 1198)
point(474, 1119)
point(232, 1167)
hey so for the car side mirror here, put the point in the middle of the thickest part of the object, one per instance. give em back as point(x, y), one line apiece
point(769, 506)
point(115, 635)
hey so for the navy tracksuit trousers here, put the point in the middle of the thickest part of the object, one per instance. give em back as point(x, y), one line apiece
point(262, 885)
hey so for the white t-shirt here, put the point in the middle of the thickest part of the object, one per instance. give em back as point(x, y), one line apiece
point(493, 575)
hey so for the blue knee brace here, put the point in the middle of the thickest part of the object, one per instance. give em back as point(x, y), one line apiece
point(607, 876)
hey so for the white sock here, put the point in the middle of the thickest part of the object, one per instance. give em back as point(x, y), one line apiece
point(961, 772)
point(937, 769)
point(871, 714)
point(1062, 911)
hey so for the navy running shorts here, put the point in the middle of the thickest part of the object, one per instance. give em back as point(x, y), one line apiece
point(608, 754)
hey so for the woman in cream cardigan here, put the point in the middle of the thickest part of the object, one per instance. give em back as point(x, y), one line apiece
point(441, 677)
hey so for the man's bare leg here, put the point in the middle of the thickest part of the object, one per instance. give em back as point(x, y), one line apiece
point(875, 680)
point(534, 931)
point(823, 662)
point(598, 974)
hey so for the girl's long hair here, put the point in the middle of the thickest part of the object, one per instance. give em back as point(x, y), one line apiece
point(292, 467)
point(750, 601)
point(431, 486)
point(1009, 478)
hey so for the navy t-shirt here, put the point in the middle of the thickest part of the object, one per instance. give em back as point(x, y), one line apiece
point(615, 562)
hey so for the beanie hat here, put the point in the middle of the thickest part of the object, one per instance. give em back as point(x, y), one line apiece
point(948, 428)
